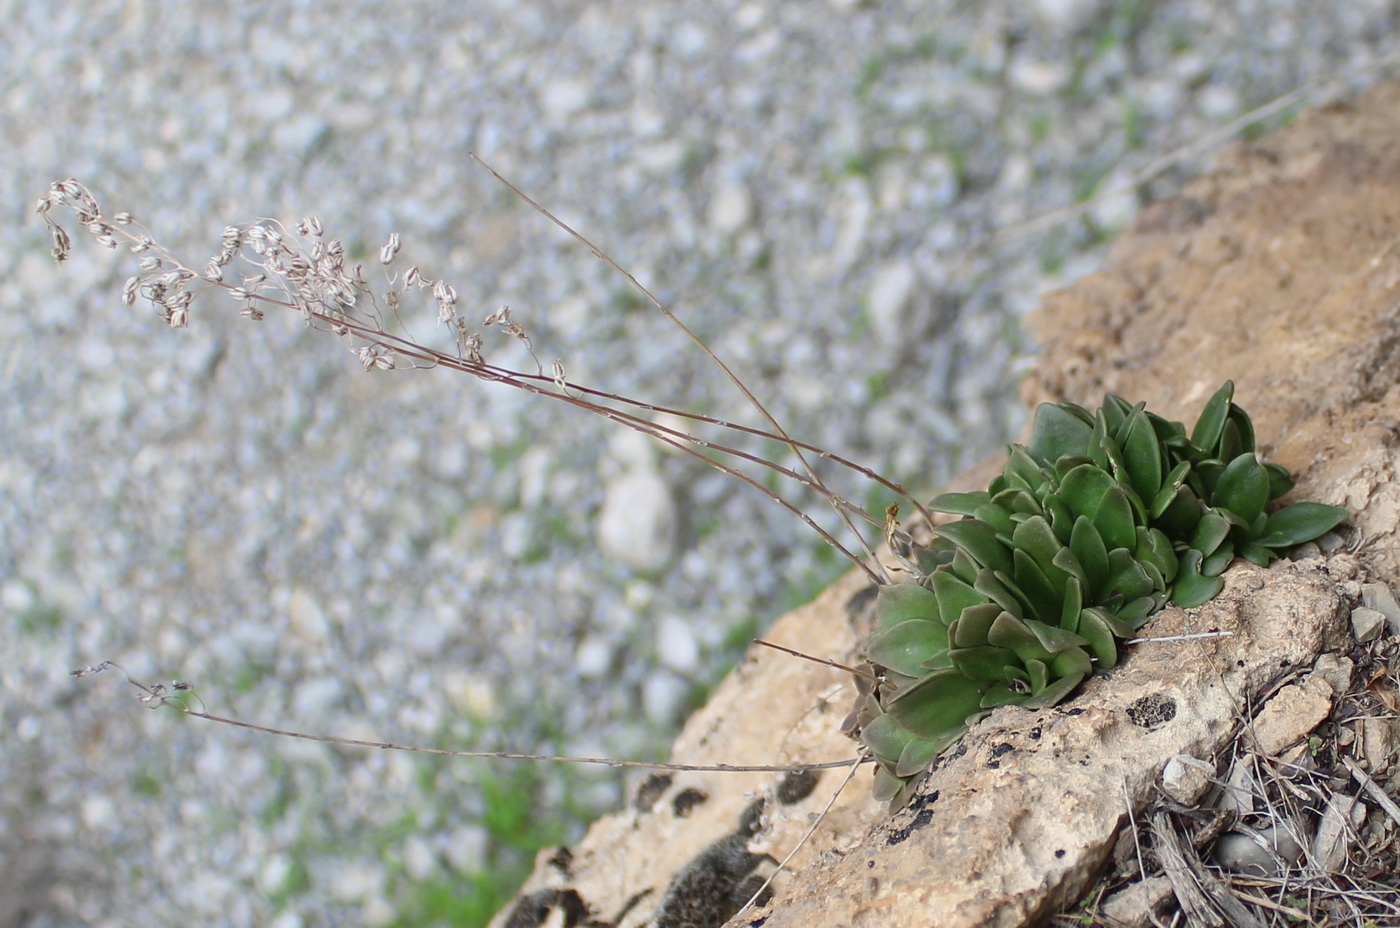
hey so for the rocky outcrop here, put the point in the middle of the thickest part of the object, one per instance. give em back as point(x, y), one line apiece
point(1279, 271)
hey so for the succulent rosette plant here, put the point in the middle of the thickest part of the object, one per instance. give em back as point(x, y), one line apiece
point(1091, 528)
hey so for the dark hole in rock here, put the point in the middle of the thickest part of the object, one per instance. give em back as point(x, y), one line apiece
point(1152, 711)
point(650, 790)
point(797, 785)
point(686, 801)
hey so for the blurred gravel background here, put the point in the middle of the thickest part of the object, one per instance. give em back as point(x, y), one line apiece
point(415, 557)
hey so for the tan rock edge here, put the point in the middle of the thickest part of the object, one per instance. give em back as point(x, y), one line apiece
point(1281, 271)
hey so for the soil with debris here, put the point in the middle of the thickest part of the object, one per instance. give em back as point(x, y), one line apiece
point(1243, 776)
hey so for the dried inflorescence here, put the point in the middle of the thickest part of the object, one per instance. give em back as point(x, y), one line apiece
point(1090, 529)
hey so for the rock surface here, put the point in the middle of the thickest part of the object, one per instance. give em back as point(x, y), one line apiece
point(1279, 271)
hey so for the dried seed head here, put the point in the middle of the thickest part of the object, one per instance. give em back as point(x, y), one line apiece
point(122, 219)
point(390, 250)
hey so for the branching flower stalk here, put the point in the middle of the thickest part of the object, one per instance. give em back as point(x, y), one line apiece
point(300, 270)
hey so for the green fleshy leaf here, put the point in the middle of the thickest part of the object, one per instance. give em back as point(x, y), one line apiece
point(1256, 554)
point(1003, 694)
point(1012, 633)
point(1300, 522)
point(953, 595)
point(1170, 484)
point(998, 587)
point(1207, 473)
point(1070, 461)
point(1143, 456)
point(985, 664)
point(907, 646)
point(1021, 469)
point(1054, 693)
point(1066, 561)
point(963, 504)
point(1117, 626)
point(1243, 487)
point(1114, 412)
point(885, 737)
point(936, 706)
point(1094, 629)
point(1117, 467)
point(888, 787)
point(1280, 481)
point(919, 754)
point(1126, 577)
point(1155, 548)
point(1058, 431)
point(1083, 489)
point(1244, 426)
point(1073, 662)
point(1114, 520)
point(1073, 603)
point(979, 540)
point(900, 602)
point(971, 628)
point(1052, 638)
point(1092, 554)
point(962, 566)
point(1191, 588)
point(1211, 531)
point(1017, 500)
point(1181, 515)
point(1060, 516)
point(1206, 434)
point(998, 517)
point(1136, 612)
point(1039, 674)
point(1031, 581)
point(1215, 564)
point(1231, 442)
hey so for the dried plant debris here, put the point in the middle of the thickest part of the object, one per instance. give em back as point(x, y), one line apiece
point(1094, 526)
point(1298, 827)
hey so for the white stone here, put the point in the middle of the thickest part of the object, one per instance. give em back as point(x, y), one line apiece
point(1380, 597)
point(315, 697)
point(664, 695)
point(419, 861)
point(466, 849)
point(1185, 778)
point(593, 657)
point(730, 209)
point(308, 619)
point(637, 524)
point(563, 98)
point(890, 300)
point(676, 645)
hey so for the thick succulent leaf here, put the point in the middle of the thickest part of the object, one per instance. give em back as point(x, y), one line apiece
point(1039, 674)
point(1003, 694)
point(936, 705)
point(1084, 487)
point(962, 566)
point(1280, 480)
point(1244, 426)
point(1170, 484)
point(1171, 434)
point(953, 595)
point(1017, 500)
point(1074, 662)
point(1206, 434)
point(1114, 520)
point(998, 517)
point(1031, 581)
point(919, 754)
point(901, 602)
point(971, 628)
point(1214, 565)
point(1054, 693)
point(999, 588)
point(985, 664)
point(1136, 612)
point(1113, 452)
point(1114, 412)
point(1072, 604)
point(1243, 487)
point(1060, 517)
point(963, 504)
point(886, 738)
point(1092, 554)
point(1094, 629)
point(1300, 522)
point(1066, 561)
point(1059, 430)
point(1035, 538)
point(1070, 461)
point(1155, 548)
point(888, 787)
point(1231, 441)
point(906, 647)
point(1143, 456)
point(1012, 633)
point(1210, 532)
point(1181, 515)
point(1021, 469)
point(1126, 576)
point(1257, 554)
point(1207, 473)
point(1191, 588)
point(1052, 638)
point(980, 542)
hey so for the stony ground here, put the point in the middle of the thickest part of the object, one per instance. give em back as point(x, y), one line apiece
point(816, 187)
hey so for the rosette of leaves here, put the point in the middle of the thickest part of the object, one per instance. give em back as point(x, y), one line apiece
point(1091, 528)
